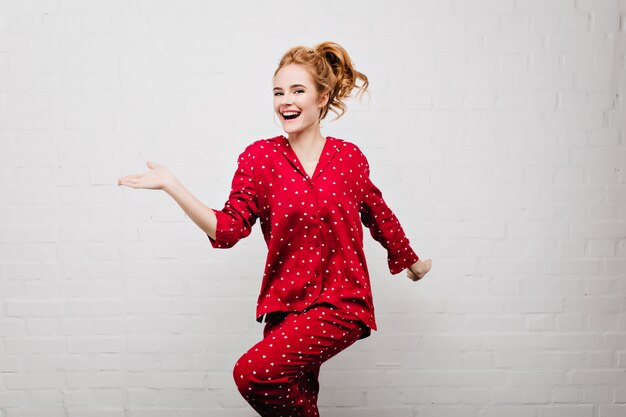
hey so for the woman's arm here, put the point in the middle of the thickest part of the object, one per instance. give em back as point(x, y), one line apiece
point(202, 215)
point(159, 177)
point(385, 228)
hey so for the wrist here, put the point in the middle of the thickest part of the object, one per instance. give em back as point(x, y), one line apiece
point(172, 186)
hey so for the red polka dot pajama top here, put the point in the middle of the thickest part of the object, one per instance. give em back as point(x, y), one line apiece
point(312, 226)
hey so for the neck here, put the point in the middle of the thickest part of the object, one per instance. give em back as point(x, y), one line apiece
point(306, 139)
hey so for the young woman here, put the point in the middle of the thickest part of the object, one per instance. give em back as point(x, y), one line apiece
point(311, 194)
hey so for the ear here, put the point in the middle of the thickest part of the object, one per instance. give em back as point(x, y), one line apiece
point(323, 99)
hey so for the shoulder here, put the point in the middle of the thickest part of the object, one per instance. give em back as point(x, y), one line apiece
point(258, 147)
point(351, 148)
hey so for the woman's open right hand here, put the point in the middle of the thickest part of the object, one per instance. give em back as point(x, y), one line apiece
point(157, 178)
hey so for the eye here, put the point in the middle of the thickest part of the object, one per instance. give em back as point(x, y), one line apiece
point(277, 93)
point(299, 91)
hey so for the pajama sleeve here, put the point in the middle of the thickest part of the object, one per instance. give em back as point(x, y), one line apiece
point(385, 227)
point(240, 212)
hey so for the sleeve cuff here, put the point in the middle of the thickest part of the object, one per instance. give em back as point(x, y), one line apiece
point(402, 260)
point(223, 234)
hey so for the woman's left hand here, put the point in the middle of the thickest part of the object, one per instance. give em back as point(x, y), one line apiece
point(419, 269)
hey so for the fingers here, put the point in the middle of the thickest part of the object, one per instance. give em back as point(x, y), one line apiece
point(428, 262)
point(131, 180)
point(127, 181)
point(411, 275)
point(127, 178)
point(423, 268)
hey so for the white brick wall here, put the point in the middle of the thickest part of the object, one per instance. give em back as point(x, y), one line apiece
point(495, 128)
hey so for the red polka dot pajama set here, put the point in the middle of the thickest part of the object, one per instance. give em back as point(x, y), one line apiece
point(315, 296)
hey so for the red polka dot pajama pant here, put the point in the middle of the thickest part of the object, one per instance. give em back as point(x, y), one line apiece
point(278, 376)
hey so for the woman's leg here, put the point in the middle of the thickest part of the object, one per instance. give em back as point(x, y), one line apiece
point(279, 375)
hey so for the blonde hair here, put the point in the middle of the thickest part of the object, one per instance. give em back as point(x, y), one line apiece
point(331, 70)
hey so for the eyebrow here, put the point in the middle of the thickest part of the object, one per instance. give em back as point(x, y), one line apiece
point(293, 86)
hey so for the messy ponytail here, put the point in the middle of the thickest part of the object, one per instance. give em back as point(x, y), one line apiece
point(331, 70)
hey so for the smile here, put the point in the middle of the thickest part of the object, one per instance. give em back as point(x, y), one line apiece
point(290, 115)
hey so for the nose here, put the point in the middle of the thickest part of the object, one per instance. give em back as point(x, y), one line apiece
point(286, 99)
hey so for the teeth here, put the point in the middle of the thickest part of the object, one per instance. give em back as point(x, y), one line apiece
point(291, 113)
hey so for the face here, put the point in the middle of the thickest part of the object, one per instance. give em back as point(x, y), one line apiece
point(296, 101)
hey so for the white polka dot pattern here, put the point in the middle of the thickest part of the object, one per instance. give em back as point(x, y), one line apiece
point(312, 226)
point(279, 376)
